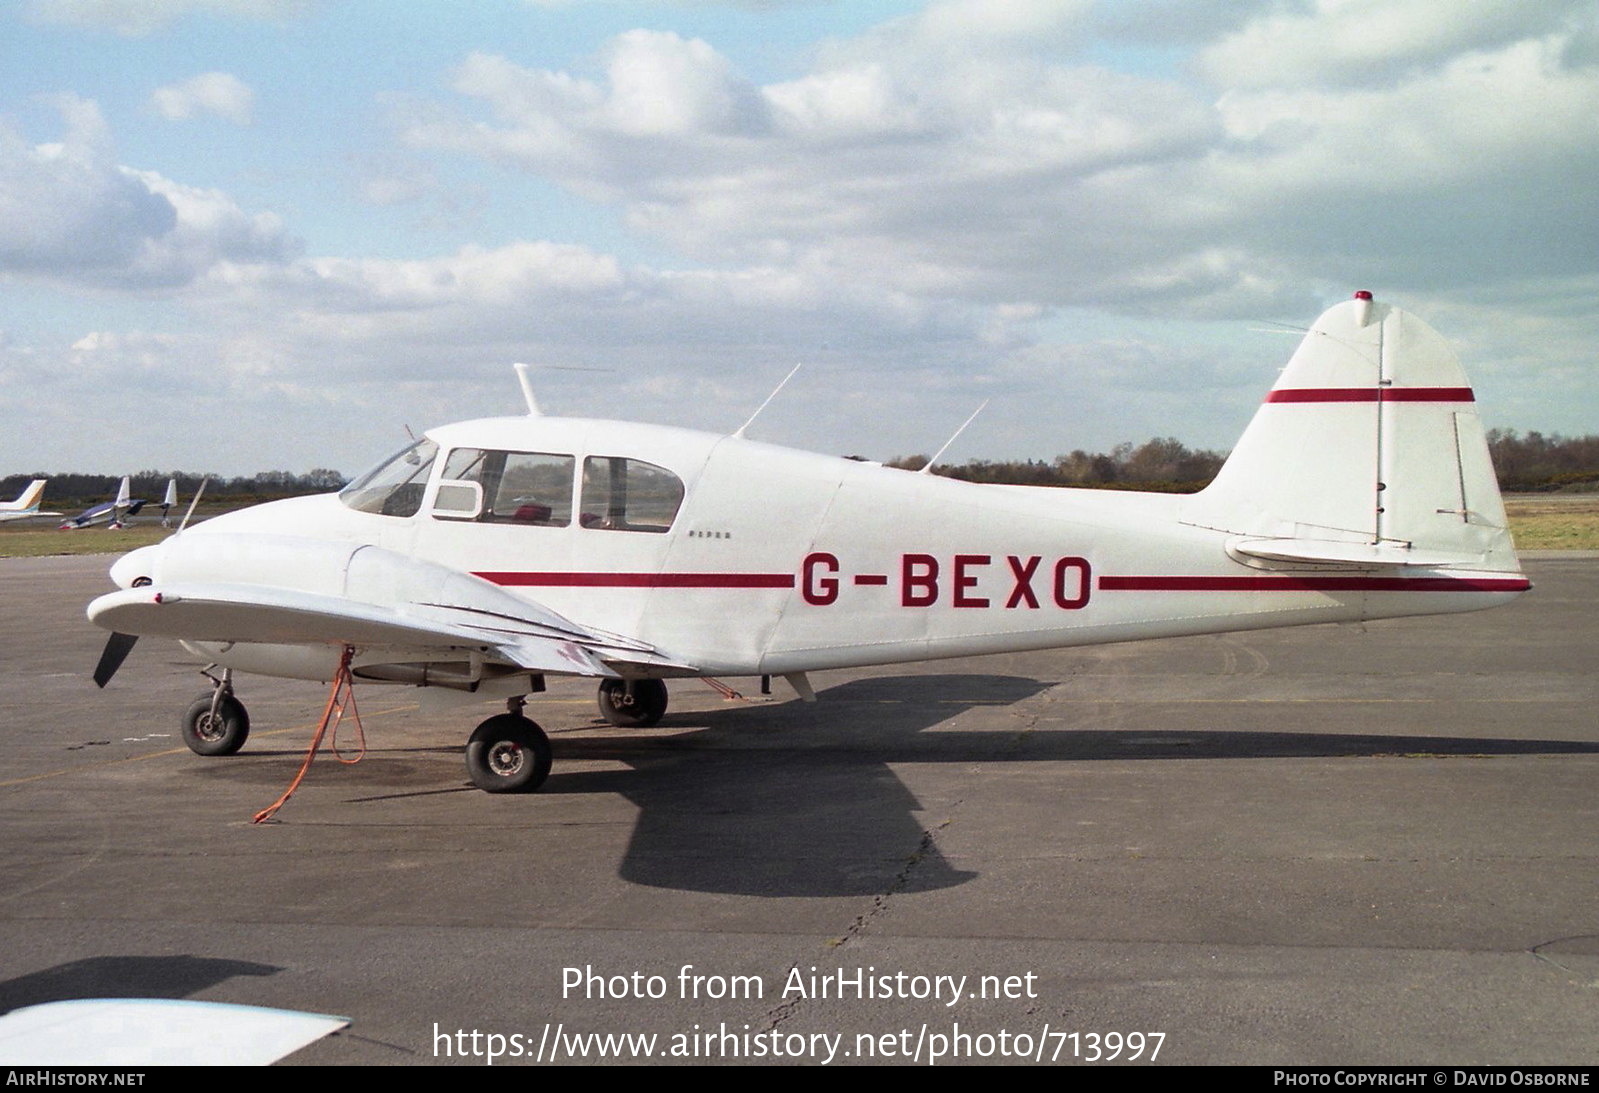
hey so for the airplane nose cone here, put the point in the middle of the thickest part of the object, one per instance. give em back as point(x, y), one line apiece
point(137, 567)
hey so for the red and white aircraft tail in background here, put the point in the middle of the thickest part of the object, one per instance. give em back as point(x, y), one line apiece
point(494, 553)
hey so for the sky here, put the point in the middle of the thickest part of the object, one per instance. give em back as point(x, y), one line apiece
point(241, 235)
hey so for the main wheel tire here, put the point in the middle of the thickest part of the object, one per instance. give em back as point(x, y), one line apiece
point(508, 754)
point(638, 709)
point(223, 734)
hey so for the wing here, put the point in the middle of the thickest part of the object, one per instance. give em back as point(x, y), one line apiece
point(136, 1032)
point(244, 613)
point(339, 594)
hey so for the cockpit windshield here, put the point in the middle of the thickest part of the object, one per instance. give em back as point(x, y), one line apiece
point(394, 487)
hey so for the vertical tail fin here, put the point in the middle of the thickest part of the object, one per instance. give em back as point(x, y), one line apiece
point(28, 500)
point(1368, 447)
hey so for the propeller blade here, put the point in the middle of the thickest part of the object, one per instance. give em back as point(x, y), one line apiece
point(117, 648)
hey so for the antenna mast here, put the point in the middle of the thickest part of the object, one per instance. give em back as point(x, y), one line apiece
point(929, 468)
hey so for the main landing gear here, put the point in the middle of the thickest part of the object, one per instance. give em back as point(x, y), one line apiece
point(632, 703)
point(216, 723)
point(508, 753)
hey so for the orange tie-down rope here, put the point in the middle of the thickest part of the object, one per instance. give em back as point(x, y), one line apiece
point(340, 695)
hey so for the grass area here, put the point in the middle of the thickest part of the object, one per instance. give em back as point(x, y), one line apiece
point(1554, 521)
point(36, 543)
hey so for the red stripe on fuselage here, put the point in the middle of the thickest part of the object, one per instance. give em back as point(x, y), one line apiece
point(1372, 394)
point(641, 580)
point(1281, 583)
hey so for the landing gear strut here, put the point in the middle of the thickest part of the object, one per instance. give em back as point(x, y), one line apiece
point(508, 753)
point(216, 723)
point(632, 703)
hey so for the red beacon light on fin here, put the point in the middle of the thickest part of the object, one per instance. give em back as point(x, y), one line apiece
point(1362, 307)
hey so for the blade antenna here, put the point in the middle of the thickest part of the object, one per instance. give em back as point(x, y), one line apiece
point(741, 429)
point(192, 503)
point(527, 389)
point(931, 462)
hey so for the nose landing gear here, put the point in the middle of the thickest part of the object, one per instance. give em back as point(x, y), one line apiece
point(216, 723)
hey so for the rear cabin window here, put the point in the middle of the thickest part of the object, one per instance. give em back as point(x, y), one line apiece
point(394, 487)
point(532, 488)
point(629, 495)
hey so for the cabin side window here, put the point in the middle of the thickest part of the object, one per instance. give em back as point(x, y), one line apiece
point(496, 487)
point(629, 495)
point(395, 486)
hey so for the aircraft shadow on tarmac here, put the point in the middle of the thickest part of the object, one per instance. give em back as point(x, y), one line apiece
point(124, 977)
point(755, 803)
point(800, 799)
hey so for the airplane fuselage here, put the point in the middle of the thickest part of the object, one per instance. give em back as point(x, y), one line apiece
point(779, 561)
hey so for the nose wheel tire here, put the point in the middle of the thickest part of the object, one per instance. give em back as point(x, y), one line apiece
point(508, 754)
point(220, 734)
point(633, 704)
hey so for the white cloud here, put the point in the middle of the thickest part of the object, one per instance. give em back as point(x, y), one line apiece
point(577, 304)
point(216, 93)
point(1342, 42)
point(922, 177)
point(662, 85)
point(949, 156)
point(135, 18)
point(1466, 174)
point(67, 209)
point(663, 96)
point(943, 207)
point(961, 28)
point(319, 361)
point(70, 213)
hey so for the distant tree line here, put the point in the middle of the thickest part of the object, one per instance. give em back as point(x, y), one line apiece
point(1163, 464)
point(67, 490)
point(1530, 462)
point(1534, 462)
point(1527, 463)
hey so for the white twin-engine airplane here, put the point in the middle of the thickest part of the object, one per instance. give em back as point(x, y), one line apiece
point(494, 553)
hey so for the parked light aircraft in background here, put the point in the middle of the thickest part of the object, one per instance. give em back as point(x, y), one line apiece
point(110, 513)
point(167, 501)
point(26, 506)
point(492, 554)
point(115, 513)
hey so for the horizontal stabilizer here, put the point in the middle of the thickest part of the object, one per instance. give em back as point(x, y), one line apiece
point(1327, 552)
